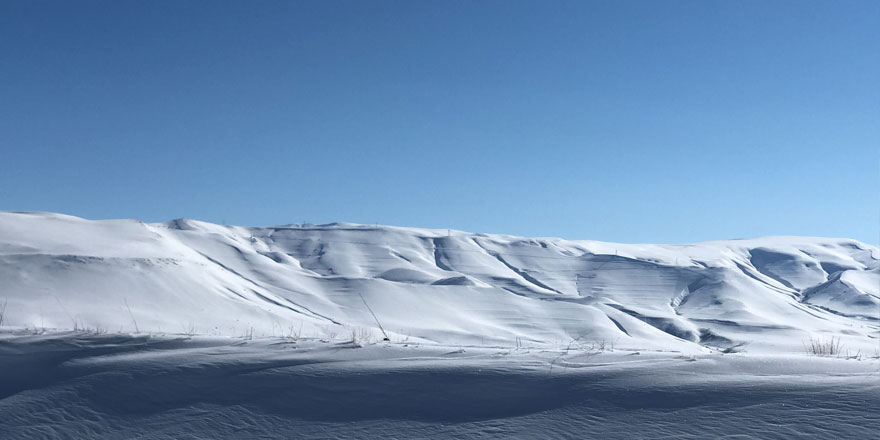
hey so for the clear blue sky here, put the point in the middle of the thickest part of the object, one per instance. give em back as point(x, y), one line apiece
point(627, 121)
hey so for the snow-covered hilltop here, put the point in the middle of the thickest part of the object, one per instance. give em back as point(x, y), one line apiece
point(187, 276)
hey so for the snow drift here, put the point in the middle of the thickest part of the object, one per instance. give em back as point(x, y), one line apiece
point(450, 287)
point(109, 386)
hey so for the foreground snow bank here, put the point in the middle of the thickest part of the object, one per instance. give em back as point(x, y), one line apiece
point(76, 385)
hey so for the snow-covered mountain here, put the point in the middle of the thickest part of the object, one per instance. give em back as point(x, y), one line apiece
point(187, 276)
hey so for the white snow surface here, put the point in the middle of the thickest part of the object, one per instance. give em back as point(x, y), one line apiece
point(77, 385)
point(446, 287)
point(190, 330)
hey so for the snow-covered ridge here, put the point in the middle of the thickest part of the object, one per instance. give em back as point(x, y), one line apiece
point(187, 276)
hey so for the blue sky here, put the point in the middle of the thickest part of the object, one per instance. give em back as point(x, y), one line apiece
point(625, 121)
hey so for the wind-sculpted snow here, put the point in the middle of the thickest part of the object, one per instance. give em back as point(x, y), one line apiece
point(187, 329)
point(76, 385)
point(449, 287)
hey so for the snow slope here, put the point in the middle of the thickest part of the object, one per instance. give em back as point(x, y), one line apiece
point(447, 287)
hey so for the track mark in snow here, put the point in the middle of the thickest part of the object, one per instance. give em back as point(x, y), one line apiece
point(805, 307)
point(314, 313)
point(838, 313)
point(744, 327)
point(236, 293)
point(276, 303)
point(745, 270)
point(514, 292)
point(523, 274)
point(228, 269)
point(401, 256)
point(619, 326)
point(264, 297)
point(665, 325)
